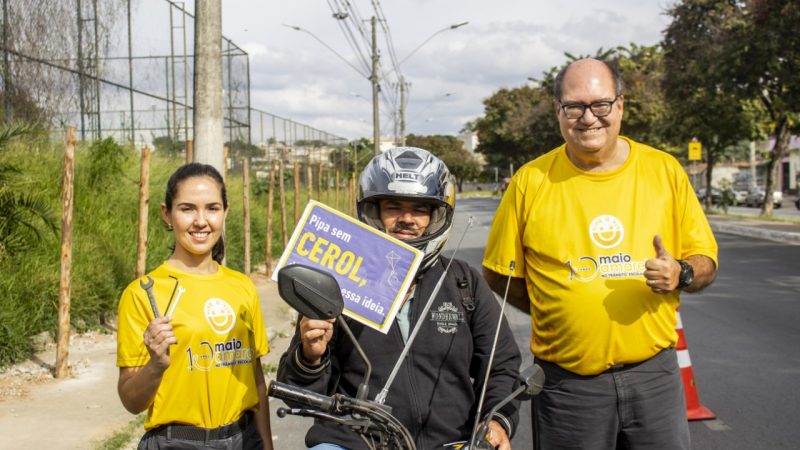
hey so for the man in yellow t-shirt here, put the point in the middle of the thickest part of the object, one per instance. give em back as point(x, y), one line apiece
point(605, 233)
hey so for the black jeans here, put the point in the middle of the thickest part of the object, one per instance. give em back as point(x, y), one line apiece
point(636, 406)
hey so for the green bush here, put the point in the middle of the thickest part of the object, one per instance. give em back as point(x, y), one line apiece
point(105, 223)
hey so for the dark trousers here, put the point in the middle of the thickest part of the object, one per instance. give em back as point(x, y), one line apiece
point(247, 438)
point(636, 406)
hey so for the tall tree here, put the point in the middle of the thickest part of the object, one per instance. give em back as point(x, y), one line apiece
point(764, 64)
point(642, 72)
point(518, 125)
point(462, 164)
point(701, 102)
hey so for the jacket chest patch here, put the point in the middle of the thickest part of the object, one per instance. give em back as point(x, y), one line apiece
point(447, 318)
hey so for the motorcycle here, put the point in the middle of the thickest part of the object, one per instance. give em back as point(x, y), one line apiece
point(315, 294)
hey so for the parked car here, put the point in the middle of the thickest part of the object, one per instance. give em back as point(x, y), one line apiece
point(740, 195)
point(797, 203)
point(756, 196)
point(717, 196)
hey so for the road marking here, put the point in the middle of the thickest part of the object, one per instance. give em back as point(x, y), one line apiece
point(716, 425)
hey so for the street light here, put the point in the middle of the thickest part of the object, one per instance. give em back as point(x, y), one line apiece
point(424, 111)
point(451, 27)
point(296, 28)
point(372, 77)
point(403, 80)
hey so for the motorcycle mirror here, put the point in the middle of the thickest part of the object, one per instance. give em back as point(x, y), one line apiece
point(533, 380)
point(312, 292)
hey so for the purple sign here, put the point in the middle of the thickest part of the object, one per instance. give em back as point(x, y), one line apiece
point(374, 270)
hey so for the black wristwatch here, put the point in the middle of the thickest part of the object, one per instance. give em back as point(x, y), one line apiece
point(687, 274)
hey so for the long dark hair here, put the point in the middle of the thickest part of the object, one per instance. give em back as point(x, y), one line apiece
point(190, 170)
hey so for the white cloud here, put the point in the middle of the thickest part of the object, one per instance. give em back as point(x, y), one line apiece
point(506, 42)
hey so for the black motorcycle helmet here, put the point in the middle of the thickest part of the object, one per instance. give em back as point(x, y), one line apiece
point(410, 173)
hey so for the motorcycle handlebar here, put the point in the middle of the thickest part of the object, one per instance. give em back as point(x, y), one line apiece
point(301, 396)
point(377, 417)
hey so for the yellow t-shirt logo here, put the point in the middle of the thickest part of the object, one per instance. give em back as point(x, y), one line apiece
point(220, 315)
point(606, 231)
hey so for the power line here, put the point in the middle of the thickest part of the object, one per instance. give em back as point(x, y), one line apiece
point(341, 19)
point(387, 34)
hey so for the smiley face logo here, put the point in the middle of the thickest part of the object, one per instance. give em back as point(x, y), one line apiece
point(606, 231)
point(219, 315)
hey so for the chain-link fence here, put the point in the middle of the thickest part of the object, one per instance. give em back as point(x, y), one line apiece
point(124, 69)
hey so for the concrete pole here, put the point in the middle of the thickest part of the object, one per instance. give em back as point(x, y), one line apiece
point(376, 130)
point(208, 132)
point(6, 74)
point(130, 74)
point(403, 111)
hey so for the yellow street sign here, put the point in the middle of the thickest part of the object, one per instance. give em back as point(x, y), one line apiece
point(695, 151)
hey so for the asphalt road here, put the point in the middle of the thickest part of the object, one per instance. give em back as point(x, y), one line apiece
point(742, 332)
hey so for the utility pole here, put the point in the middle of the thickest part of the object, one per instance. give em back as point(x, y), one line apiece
point(6, 75)
point(208, 83)
point(376, 131)
point(130, 74)
point(402, 111)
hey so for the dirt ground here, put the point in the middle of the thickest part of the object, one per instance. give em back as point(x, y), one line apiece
point(79, 412)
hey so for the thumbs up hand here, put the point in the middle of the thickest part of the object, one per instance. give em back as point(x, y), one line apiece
point(662, 273)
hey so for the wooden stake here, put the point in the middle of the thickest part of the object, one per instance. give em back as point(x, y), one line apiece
point(352, 205)
point(337, 190)
point(189, 151)
point(319, 182)
point(296, 192)
point(65, 284)
point(346, 196)
point(310, 182)
point(284, 235)
point(270, 202)
point(328, 187)
point(144, 199)
point(246, 212)
point(225, 163)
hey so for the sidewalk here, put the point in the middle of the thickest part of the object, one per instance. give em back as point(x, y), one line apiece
point(785, 232)
point(37, 411)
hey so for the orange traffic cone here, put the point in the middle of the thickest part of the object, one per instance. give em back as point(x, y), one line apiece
point(694, 410)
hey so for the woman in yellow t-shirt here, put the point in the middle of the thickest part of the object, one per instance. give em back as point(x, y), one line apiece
point(191, 333)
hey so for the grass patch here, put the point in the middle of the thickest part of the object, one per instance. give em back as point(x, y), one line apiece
point(120, 438)
point(776, 219)
point(269, 368)
point(477, 194)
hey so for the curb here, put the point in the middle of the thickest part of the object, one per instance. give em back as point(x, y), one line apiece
point(741, 230)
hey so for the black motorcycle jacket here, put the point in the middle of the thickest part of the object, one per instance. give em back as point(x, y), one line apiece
point(436, 390)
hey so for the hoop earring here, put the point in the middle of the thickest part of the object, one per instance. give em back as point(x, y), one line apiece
point(169, 227)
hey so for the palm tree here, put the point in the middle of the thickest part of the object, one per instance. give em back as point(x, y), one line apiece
point(23, 215)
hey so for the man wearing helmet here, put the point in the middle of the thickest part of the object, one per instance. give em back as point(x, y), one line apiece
point(407, 193)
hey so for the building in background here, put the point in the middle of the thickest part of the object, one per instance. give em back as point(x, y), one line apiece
point(470, 140)
point(743, 175)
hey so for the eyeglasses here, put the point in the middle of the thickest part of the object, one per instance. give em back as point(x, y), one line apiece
point(600, 108)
